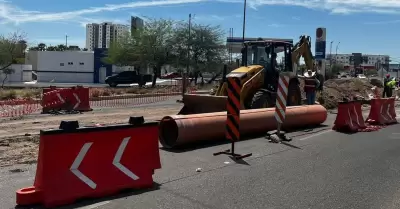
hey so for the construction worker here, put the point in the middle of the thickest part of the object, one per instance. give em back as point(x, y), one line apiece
point(386, 89)
point(391, 85)
point(311, 84)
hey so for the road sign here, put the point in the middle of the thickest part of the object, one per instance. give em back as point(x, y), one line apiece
point(320, 44)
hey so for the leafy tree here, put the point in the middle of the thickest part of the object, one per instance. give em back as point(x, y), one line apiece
point(11, 49)
point(146, 47)
point(6, 72)
point(337, 68)
point(51, 48)
point(207, 50)
point(42, 47)
point(74, 48)
point(61, 47)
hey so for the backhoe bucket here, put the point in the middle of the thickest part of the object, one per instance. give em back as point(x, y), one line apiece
point(196, 104)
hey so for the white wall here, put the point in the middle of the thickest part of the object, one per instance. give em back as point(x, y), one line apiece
point(65, 77)
point(63, 67)
point(21, 73)
point(65, 61)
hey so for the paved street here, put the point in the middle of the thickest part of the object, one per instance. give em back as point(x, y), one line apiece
point(318, 169)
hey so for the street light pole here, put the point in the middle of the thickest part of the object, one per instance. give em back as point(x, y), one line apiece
point(337, 47)
point(66, 41)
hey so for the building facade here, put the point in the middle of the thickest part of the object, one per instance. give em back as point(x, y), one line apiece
point(104, 34)
point(367, 61)
point(62, 66)
point(136, 23)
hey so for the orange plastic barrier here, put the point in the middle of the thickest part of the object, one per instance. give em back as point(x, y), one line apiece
point(382, 111)
point(350, 118)
point(75, 98)
point(80, 98)
point(75, 163)
point(53, 98)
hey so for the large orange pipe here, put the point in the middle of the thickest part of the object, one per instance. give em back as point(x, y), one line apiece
point(184, 129)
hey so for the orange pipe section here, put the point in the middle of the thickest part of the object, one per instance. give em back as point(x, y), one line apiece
point(184, 129)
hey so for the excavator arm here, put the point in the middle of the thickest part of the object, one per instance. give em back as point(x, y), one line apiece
point(303, 49)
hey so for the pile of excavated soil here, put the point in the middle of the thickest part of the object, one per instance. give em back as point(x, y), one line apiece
point(336, 90)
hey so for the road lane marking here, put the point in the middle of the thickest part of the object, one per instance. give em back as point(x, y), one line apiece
point(314, 135)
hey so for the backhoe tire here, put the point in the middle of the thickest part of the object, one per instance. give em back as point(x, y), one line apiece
point(261, 99)
point(294, 94)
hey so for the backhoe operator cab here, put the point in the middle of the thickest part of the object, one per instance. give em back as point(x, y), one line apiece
point(259, 77)
point(265, 54)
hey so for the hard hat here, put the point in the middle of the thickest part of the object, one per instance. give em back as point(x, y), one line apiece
point(387, 75)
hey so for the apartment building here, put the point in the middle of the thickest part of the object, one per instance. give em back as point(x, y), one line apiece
point(367, 61)
point(136, 23)
point(102, 35)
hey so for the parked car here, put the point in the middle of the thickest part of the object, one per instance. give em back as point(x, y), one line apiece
point(361, 76)
point(170, 75)
point(128, 77)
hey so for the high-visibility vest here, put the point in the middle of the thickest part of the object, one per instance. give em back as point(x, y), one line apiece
point(391, 84)
point(309, 84)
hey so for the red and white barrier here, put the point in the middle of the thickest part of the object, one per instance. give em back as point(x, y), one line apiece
point(281, 97)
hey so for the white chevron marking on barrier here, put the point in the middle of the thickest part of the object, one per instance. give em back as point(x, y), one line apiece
point(78, 101)
point(117, 159)
point(77, 162)
point(116, 162)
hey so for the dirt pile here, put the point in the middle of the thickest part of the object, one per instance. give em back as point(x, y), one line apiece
point(336, 90)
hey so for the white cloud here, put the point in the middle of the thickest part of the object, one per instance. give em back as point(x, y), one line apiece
point(383, 22)
point(13, 14)
point(335, 6)
point(213, 18)
point(10, 13)
point(276, 25)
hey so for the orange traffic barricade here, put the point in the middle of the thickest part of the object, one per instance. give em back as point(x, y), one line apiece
point(382, 111)
point(350, 118)
point(75, 163)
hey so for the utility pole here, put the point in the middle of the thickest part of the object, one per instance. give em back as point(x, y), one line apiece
point(244, 18)
point(330, 56)
point(185, 74)
point(66, 41)
point(337, 47)
point(244, 29)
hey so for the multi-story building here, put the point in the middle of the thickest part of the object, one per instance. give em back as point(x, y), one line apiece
point(367, 61)
point(92, 36)
point(103, 35)
point(136, 23)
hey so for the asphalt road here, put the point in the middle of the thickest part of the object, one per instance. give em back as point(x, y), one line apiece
point(318, 169)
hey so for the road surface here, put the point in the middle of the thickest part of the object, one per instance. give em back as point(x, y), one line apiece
point(318, 169)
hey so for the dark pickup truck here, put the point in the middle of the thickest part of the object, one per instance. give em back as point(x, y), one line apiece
point(128, 77)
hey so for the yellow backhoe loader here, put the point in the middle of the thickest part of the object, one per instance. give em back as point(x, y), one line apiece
point(259, 77)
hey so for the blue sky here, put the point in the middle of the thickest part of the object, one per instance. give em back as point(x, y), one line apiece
point(367, 26)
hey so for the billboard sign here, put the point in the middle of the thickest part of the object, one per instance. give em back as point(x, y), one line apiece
point(320, 44)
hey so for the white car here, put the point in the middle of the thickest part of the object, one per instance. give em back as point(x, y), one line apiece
point(362, 76)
